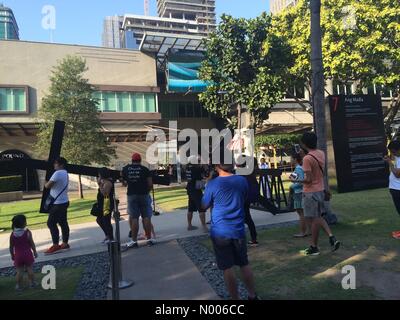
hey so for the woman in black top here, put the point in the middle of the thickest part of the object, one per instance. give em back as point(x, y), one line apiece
point(105, 200)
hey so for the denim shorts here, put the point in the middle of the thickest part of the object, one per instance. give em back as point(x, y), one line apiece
point(139, 205)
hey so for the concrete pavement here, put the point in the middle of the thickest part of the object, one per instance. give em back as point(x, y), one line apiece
point(163, 272)
point(86, 238)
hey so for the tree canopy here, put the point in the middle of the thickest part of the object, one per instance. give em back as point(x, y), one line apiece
point(70, 99)
point(280, 141)
point(245, 63)
point(361, 41)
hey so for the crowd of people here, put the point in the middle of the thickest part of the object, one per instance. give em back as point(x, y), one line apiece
point(227, 195)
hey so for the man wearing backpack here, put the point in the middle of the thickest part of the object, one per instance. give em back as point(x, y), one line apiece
point(314, 193)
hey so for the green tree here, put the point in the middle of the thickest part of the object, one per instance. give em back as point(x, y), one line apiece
point(248, 62)
point(70, 99)
point(360, 44)
point(361, 41)
point(280, 141)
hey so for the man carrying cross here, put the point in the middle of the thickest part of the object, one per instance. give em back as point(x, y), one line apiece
point(58, 186)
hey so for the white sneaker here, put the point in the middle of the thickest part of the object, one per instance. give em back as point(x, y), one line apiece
point(131, 244)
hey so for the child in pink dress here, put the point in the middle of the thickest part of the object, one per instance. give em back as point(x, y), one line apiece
point(22, 250)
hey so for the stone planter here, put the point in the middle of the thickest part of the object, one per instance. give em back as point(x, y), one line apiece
point(11, 196)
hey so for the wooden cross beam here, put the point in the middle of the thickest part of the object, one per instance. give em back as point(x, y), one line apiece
point(55, 150)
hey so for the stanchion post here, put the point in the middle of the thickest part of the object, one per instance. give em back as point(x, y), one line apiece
point(113, 252)
point(122, 284)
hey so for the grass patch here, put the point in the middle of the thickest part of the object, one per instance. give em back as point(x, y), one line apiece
point(78, 212)
point(67, 280)
point(170, 199)
point(367, 219)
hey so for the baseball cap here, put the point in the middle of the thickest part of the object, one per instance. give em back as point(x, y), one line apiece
point(136, 157)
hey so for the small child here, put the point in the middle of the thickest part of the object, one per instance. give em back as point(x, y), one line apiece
point(297, 191)
point(22, 250)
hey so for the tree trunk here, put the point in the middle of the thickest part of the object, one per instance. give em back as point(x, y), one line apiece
point(80, 189)
point(318, 82)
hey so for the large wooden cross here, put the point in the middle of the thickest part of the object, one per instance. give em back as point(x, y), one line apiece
point(159, 177)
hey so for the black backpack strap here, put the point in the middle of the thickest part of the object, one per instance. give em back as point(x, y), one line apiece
point(322, 170)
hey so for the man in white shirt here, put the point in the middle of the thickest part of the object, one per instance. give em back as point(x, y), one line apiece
point(394, 179)
point(58, 186)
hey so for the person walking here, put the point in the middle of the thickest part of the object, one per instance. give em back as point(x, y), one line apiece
point(195, 174)
point(105, 202)
point(58, 185)
point(313, 193)
point(296, 189)
point(226, 195)
point(139, 181)
point(23, 251)
point(393, 160)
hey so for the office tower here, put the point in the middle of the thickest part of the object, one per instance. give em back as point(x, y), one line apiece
point(8, 24)
point(278, 6)
point(112, 32)
point(201, 11)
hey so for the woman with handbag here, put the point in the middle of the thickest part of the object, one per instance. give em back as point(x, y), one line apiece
point(105, 204)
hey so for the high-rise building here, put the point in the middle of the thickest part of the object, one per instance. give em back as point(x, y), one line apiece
point(201, 11)
point(278, 6)
point(135, 27)
point(112, 31)
point(8, 25)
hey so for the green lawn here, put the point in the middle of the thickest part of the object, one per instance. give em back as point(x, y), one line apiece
point(366, 221)
point(78, 212)
point(170, 199)
point(67, 280)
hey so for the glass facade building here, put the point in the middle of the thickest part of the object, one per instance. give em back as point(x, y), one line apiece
point(8, 24)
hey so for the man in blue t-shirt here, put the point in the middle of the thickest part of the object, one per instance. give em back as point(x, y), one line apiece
point(226, 195)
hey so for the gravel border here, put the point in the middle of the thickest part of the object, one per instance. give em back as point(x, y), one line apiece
point(204, 260)
point(94, 279)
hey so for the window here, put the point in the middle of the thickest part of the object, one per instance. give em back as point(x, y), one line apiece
point(138, 103)
point(124, 102)
point(110, 101)
point(13, 100)
point(175, 110)
point(339, 88)
point(150, 102)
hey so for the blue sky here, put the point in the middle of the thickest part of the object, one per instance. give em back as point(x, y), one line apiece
point(80, 22)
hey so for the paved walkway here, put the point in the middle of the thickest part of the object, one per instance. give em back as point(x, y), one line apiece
point(86, 238)
point(177, 278)
point(163, 272)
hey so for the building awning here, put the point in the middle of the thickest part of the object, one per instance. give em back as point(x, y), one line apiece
point(160, 43)
point(286, 121)
point(11, 129)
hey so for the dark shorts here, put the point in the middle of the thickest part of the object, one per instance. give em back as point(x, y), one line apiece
point(230, 252)
point(194, 203)
point(139, 205)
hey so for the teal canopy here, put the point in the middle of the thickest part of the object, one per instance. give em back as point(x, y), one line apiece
point(183, 72)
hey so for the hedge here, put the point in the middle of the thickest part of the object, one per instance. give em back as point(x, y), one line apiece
point(10, 183)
